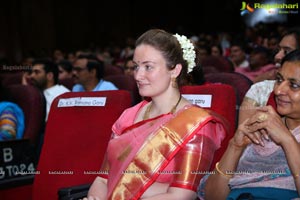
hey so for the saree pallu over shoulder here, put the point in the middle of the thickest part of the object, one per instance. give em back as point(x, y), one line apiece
point(157, 151)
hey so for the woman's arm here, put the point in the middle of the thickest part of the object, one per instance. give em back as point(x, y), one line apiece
point(247, 109)
point(98, 190)
point(216, 186)
point(193, 161)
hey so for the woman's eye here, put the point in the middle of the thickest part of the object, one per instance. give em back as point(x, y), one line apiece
point(278, 80)
point(294, 85)
point(148, 67)
point(286, 52)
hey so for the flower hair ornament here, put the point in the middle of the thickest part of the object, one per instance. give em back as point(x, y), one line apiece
point(188, 49)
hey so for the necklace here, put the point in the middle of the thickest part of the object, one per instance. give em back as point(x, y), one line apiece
point(147, 112)
point(285, 123)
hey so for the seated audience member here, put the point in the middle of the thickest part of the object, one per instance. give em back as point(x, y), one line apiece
point(216, 50)
point(58, 55)
point(12, 122)
point(44, 75)
point(203, 52)
point(259, 92)
point(262, 160)
point(157, 145)
point(65, 70)
point(88, 73)
point(129, 66)
point(238, 54)
point(259, 63)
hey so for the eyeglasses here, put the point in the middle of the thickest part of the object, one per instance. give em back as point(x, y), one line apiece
point(285, 50)
point(78, 69)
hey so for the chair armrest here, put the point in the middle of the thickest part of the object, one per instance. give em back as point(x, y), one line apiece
point(73, 192)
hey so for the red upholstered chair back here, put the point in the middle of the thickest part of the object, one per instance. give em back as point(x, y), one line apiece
point(75, 140)
point(112, 70)
point(240, 82)
point(271, 101)
point(223, 102)
point(126, 82)
point(220, 63)
point(67, 82)
point(11, 78)
point(33, 104)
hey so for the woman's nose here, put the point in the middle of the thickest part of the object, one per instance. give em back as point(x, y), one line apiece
point(139, 74)
point(281, 88)
point(278, 57)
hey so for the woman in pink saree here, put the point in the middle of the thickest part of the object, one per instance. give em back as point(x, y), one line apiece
point(160, 149)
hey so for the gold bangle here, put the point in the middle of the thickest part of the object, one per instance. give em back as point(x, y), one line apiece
point(296, 175)
point(222, 173)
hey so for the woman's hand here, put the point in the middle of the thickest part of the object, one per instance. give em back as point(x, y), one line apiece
point(268, 124)
point(241, 138)
point(98, 189)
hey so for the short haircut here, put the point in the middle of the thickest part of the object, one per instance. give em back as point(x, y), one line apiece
point(49, 66)
point(94, 63)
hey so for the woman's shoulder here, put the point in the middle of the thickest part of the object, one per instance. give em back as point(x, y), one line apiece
point(260, 91)
point(127, 117)
point(194, 108)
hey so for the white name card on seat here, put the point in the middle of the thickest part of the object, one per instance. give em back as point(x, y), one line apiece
point(82, 101)
point(202, 100)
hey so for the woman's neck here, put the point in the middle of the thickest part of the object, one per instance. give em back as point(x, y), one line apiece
point(291, 124)
point(163, 105)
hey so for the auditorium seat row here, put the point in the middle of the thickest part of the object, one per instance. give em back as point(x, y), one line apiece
point(79, 128)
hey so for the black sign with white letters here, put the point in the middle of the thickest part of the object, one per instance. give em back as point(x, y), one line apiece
point(17, 160)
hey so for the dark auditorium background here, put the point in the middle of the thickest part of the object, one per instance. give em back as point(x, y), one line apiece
point(34, 25)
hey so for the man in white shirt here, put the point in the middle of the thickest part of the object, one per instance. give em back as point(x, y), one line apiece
point(44, 75)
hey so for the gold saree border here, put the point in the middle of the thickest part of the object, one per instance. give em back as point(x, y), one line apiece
point(157, 151)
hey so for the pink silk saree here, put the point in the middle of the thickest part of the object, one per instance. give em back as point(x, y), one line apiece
point(175, 149)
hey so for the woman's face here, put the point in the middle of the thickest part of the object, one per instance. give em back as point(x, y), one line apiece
point(215, 51)
point(287, 44)
point(63, 74)
point(151, 72)
point(287, 89)
point(129, 68)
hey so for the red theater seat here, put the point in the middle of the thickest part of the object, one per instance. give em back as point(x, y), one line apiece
point(271, 101)
point(33, 104)
point(240, 82)
point(67, 82)
point(112, 70)
point(75, 140)
point(11, 78)
point(126, 82)
point(21, 192)
point(223, 101)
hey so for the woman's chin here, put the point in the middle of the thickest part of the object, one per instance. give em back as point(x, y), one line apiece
point(282, 110)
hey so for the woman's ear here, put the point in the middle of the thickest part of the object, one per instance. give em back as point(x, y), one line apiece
point(176, 71)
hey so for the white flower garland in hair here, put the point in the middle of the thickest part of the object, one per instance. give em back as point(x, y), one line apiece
point(189, 53)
